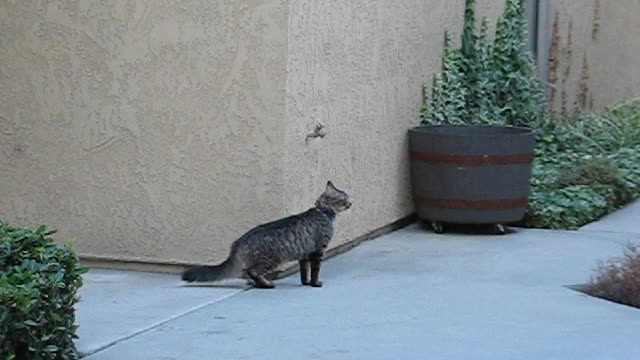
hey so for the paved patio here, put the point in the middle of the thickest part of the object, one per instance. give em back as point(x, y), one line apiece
point(408, 295)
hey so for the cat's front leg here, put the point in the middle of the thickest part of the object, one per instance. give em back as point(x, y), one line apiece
point(304, 271)
point(315, 260)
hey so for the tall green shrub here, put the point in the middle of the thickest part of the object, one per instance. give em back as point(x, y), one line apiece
point(38, 290)
point(449, 91)
point(484, 107)
point(485, 81)
point(519, 93)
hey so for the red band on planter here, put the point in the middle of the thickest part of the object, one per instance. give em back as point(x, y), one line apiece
point(501, 204)
point(471, 160)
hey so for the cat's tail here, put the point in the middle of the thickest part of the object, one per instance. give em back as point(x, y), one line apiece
point(222, 271)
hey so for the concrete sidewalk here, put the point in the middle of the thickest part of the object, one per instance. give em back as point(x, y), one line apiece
point(626, 220)
point(408, 295)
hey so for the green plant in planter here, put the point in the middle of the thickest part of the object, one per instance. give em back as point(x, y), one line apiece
point(483, 103)
point(449, 91)
point(519, 92)
point(38, 284)
point(484, 81)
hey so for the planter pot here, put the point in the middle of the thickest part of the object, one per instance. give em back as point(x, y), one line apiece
point(471, 174)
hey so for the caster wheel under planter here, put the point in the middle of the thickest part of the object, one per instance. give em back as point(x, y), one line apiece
point(500, 229)
point(437, 227)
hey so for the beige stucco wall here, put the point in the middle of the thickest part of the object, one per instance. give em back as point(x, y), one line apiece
point(607, 33)
point(148, 130)
point(161, 131)
point(357, 67)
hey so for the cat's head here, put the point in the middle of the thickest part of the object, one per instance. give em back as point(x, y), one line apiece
point(333, 199)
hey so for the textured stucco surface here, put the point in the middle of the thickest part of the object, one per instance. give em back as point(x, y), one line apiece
point(160, 131)
point(148, 130)
point(357, 67)
point(612, 52)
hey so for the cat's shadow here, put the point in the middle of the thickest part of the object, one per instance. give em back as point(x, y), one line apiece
point(239, 286)
point(217, 286)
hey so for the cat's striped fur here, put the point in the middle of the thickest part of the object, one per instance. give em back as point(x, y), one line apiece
point(303, 237)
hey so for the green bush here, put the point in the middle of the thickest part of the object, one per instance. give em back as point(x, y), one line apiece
point(38, 284)
point(585, 168)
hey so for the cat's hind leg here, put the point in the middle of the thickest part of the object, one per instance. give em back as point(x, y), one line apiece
point(259, 280)
point(259, 271)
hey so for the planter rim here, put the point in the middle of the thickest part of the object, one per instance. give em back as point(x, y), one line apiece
point(511, 130)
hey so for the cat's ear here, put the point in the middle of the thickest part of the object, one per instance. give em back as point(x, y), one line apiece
point(330, 186)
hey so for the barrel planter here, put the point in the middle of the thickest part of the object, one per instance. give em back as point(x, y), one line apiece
point(471, 174)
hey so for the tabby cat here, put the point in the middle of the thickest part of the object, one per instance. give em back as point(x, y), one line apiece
point(303, 237)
